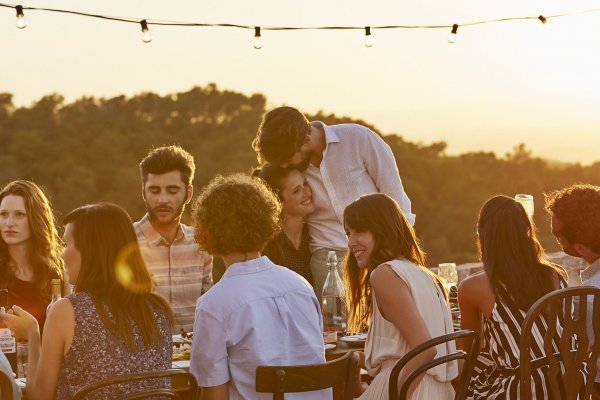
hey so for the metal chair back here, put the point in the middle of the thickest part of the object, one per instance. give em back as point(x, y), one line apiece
point(466, 372)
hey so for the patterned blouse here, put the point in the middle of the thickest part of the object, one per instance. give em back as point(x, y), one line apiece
point(97, 353)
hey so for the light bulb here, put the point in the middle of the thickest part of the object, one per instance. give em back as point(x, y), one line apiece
point(146, 35)
point(258, 43)
point(452, 37)
point(21, 22)
point(368, 37)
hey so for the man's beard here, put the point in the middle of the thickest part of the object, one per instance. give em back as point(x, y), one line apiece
point(175, 212)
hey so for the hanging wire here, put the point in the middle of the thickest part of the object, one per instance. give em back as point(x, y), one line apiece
point(136, 20)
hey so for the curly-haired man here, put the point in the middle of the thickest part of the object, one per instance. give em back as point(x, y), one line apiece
point(575, 213)
point(259, 313)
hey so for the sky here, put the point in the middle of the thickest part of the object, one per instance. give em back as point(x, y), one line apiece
point(499, 85)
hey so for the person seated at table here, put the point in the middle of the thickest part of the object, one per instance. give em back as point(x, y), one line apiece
point(111, 325)
point(515, 276)
point(290, 247)
point(390, 291)
point(258, 313)
point(29, 248)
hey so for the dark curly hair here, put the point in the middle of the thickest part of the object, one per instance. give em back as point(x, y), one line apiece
point(578, 208)
point(280, 135)
point(166, 159)
point(235, 213)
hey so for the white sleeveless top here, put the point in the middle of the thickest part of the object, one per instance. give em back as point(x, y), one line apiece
point(384, 342)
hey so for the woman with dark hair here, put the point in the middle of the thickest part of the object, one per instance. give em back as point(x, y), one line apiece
point(112, 325)
point(29, 248)
point(290, 248)
point(494, 302)
point(390, 291)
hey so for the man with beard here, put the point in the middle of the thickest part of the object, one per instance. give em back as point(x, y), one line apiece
point(341, 163)
point(181, 270)
point(575, 219)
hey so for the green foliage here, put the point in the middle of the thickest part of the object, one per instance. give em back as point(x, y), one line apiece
point(89, 150)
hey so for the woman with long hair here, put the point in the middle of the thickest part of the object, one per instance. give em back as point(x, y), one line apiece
point(111, 325)
point(29, 248)
point(494, 302)
point(290, 248)
point(390, 291)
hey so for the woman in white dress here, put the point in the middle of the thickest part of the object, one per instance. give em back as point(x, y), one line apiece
point(401, 302)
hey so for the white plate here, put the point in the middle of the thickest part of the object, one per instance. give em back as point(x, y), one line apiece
point(361, 337)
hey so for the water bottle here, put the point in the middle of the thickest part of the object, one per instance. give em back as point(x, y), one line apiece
point(8, 344)
point(332, 306)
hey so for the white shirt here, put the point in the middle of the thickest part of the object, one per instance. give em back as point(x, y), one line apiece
point(356, 161)
point(258, 314)
point(591, 277)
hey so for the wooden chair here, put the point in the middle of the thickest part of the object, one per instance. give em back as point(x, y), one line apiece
point(465, 375)
point(569, 307)
point(307, 378)
point(190, 390)
point(6, 389)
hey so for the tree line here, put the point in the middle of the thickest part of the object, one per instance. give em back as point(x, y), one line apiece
point(88, 151)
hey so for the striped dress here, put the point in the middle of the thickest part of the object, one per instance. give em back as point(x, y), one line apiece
point(496, 373)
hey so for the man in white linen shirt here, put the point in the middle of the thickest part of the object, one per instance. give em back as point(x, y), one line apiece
point(258, 313)
point(575, 218)
point(341, 163)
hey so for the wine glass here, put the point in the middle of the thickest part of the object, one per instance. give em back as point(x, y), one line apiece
point(447, 272)
point(526, 201)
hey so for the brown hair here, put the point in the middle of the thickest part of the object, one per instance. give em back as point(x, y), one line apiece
point(166, 159)
point(44, 242)
point(273, 176)
point(280, 135)
point(113, 272)
point(236, 213)
point(578, 208)
point(512, 256)
point(394, 238)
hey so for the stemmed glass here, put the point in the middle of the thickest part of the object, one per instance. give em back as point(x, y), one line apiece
point(447, 272)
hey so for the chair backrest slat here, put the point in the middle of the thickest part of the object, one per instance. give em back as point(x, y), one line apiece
point(191, 385)
point(307, 378)
point(565, 342)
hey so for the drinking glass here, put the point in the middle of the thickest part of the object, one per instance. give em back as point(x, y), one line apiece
point(447, 272)
point(526, 201)
point(22, 353)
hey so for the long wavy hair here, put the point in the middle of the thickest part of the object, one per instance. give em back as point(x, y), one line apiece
point(394, 239)
point(512, 256)
point(114, 274)
point(44, 242)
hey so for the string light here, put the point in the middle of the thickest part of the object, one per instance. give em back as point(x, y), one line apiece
point(368, 37)
point(258, 43)
point(146, 35)
point(453, 32)
point(21, 23)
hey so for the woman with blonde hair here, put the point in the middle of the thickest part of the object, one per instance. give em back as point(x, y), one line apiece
point(29, 248)
point(112, 325)
point(391, 292)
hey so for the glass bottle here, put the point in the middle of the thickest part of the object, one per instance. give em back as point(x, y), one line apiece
point(56, 294)
point(332, 303)
point(8, 343)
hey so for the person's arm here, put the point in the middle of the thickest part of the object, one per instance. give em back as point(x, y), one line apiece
point(220, 392)
point(45, 358)
point(397, 305)
point(470, 295)
point(381, 165)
